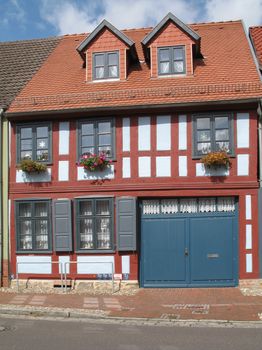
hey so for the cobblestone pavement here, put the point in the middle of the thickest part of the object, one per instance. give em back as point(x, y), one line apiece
point(196, 304)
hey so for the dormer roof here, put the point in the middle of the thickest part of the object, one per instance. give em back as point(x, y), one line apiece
point(177, 22)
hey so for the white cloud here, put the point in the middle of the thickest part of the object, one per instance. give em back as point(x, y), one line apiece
point(13, 12)
point(223, 10)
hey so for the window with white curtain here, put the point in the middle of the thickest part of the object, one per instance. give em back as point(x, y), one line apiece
point(106, 65)
point(94, 218)
point(33, 225)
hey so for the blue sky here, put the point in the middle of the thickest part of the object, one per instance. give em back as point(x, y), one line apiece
point(28, 19)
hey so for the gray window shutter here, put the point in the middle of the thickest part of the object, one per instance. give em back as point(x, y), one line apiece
point(62, 225)
point(126, 223)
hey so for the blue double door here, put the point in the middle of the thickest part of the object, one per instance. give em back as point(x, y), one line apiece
point(189, 251)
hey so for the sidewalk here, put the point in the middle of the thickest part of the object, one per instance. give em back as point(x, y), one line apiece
point(170, 304)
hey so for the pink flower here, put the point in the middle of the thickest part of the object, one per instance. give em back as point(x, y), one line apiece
point(85, 156)
point(110, 161)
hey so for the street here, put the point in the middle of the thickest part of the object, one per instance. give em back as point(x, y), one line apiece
point(30, 334)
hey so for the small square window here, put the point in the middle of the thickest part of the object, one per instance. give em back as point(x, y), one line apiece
point(105, 65)
point(212, 133)
point(34, 142)
point(171, 60)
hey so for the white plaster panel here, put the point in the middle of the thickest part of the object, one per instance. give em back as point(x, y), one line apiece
point(23, 177)
point(64, 259)
point(182, 165)
point(163, 133)
point(163, 166)
point(125, 263)
point(144, 139)
point(248, 236)
point(63, 170)
point(34, 264)
point(202, 171)
point(249, 263)
point(242, 164)
point(126, 134)
point(182, 132)
point(242, 130)
point(95, 264)
point(83, 174)
point(64, 138)
point(248, 207)
point(126, 167)
point(144, 166)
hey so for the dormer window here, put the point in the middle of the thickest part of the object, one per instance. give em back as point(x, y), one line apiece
point(171, 60)
point(105, 65)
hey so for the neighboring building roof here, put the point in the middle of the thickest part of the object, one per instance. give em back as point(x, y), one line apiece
point(175, 20)
point(226, 72)
point(19, 61)
point(255, 34)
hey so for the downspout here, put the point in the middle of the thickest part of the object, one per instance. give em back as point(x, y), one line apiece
point(1, 197)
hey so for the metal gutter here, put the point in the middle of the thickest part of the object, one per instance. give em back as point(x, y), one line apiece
point(1, 197)
point(12, 115)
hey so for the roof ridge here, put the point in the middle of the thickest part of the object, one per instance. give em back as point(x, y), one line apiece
point(214, 23)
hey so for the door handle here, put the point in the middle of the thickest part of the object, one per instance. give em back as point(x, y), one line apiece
point(186, 252)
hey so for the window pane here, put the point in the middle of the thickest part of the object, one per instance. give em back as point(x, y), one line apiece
point(203, 123)
point(42, 155)
point(102, 207)
point(112, 72)
point(41, 209)
point(222, 135)
point(85, 208)
point(103, 233)
point(88, 150)
point(41, 227)
point(26, 144)
point(86, 234)
point(99, 72)
point(178, 66)
point(88, 141)
point(25, 209)
point(42, 131)
point(104, 139)
point(204, 148)
point(99, 60)
point(164, 55)
point(25, 242)
point(105, 149)
point(41, 242)
point(42, 143)
point(113, 59)
point(221, 122)
point(25, 227)
point(164, 67)
point(26, 133)
point(223, 146)
point(26, 155)
point(87, 129)
point(203, 135)
point(104, 127)
point(178, 53)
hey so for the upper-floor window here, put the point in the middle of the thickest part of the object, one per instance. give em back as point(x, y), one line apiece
point(212, 132)
point(96, 136)
point(33, 225)
point(34, 142)
point(106, 65)
point(171, 60)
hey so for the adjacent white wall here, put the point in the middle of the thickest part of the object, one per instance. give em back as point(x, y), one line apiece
point(163, 166)
point(126, 167)
point(182, 132)
point(242, 164)
point(248, 207)
point(96, 264)
point(126, 134)
point(34, 264)
point(83, 174)
point(23, 177)
point(249, 263)
point(144, 139)
point(182, 165)
point(242, 130)
point(163, 133)
point(125, 263)
point(144, 166)
point(63, 170)
point(248, 236)
point(63, 138)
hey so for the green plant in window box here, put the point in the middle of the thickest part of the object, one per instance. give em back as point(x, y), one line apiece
point(94, 162)
point(216, 160)
point(32, 167)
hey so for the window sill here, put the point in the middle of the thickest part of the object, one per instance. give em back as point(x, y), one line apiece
point(200, 157)
point(28, 252)
point(182, 75)
point(95, 251)
point(109, 80)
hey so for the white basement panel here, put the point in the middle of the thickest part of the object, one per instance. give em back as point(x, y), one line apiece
point(23, 177)
point(144, 139)
point(248, 207)
point(163, 166)
point(249, 263)
point(248, 236)
point(64, 260)
point(83, 174)
point(163, 133)
point(242, 130)
point(95, 264)
point(126, 134)
point(182, 165)
point(63, 138)
point(63, 170)
point(144, 166)
point(126, 167)
point(34, 264)
point(125, 263)
point(182, 132)
point(242, 164)
point(202, 171)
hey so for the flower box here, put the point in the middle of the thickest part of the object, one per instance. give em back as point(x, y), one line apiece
point(30, 166)
point(216, 160)
point(94, 162)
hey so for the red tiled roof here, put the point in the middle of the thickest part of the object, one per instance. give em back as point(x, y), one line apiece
point(226, 72)
point(256, 37)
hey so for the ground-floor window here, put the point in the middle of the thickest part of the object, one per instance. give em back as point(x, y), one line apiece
point(33, 225)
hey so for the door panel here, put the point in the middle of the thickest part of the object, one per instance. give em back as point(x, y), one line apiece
point(163, 252)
